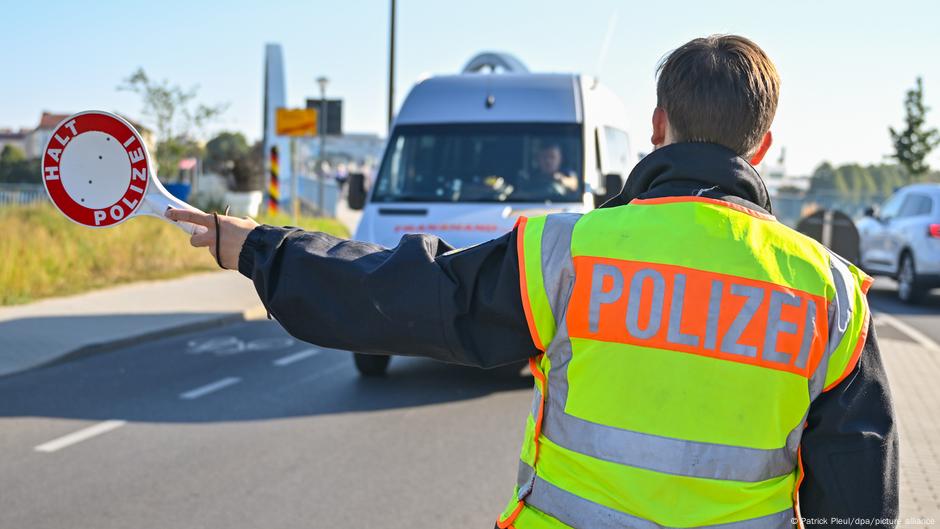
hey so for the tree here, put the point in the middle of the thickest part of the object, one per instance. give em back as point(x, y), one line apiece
point(858, 180)
point(913, 144)
point(11, 154)
point(223, 150)
point(15, 168)
point(888, 177)
point(172, 150)
point(228, 154)
point(248, 169)
point(823, 179)
point(177, 118)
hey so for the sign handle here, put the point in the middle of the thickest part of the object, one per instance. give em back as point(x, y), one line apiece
point(158, 200)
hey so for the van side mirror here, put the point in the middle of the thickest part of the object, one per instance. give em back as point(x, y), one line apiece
point(356, 194)
point(613, 184)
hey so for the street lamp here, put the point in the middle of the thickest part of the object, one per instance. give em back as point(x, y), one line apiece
point(391, 66)
point(323, 82)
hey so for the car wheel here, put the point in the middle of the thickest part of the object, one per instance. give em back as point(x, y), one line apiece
point(910, 289)
point(371, 365)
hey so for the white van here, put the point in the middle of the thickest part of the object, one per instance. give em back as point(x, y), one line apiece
point(469, 154)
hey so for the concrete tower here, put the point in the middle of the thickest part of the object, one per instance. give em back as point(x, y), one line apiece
point(276, 148)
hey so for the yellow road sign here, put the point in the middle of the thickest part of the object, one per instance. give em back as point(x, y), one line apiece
point(295, 122)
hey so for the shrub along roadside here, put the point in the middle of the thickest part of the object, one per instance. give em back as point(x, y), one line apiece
point(43, 254)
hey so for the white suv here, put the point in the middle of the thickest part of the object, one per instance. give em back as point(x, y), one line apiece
point(903, 240)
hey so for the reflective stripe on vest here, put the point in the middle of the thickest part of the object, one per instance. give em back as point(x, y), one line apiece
point(677, 376)
point(575, 511)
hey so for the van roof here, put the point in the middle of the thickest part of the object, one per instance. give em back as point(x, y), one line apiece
point(516, 97)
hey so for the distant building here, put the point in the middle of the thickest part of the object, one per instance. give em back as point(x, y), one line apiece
point(363, 148)
point(36, 139)
point(14, 138)
point(774, 174)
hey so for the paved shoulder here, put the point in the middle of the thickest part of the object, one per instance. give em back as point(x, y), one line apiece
point(42, 332)
point(913, 371)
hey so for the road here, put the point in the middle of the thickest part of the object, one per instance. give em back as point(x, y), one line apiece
point(924, 318)
point(279, 434)
point(241, 426)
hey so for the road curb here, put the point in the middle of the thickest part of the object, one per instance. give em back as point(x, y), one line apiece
point(254, 313)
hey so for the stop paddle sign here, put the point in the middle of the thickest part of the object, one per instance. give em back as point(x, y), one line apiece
point(98, 173)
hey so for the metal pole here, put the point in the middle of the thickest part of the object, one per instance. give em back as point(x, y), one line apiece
point(294, 177)
point(320, 186)
point(197, 174)
point(826, 238)
point(391, 67)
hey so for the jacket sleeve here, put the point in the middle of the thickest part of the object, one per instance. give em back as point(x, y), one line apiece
point(422, 298)
point(850, 447)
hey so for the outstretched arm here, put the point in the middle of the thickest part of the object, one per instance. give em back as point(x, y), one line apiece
point(421, 298)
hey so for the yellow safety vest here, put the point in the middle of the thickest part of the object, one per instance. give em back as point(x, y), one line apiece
point(684, 340)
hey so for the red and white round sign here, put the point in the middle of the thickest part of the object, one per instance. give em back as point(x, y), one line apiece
point(96, 169)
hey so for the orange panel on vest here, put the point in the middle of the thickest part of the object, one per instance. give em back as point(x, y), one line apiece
point(693, 311)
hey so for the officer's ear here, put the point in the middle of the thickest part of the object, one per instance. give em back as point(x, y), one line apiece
point(762, 150)
point(660, 126)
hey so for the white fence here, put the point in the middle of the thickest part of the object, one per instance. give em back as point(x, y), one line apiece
point(21, 194)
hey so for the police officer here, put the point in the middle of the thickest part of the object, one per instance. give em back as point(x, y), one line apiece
point(696, 362)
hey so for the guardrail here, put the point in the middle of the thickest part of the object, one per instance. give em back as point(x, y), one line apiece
point(21, 194)
point(309, 195)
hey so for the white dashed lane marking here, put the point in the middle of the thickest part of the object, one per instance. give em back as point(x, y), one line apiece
point(296, 357)
point(209, 388)
point(79, 436)
point(911, 332)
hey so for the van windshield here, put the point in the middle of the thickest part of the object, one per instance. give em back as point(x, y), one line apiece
point(492, 162)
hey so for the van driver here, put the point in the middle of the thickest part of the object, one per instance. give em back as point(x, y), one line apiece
point(549, 174)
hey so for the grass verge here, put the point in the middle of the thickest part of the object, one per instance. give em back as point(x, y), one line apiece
point(43, 254)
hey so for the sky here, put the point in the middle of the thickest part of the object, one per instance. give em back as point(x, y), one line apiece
point(845, 65)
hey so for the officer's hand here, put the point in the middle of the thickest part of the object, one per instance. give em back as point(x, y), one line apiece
point(234, 232)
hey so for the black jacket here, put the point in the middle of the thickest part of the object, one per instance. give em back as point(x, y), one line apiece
point(423, 298)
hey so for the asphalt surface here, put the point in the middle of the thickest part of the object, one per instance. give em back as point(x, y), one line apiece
point(925, 317)
point(242, 426)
